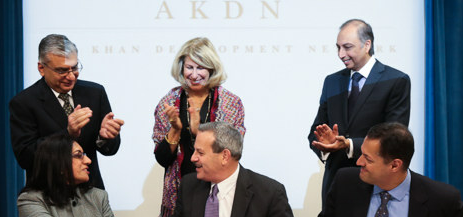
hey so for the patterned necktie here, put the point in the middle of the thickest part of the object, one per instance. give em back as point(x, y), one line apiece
point(67, 105)
point(212, 204)
point(354, 93)
point(382, 210)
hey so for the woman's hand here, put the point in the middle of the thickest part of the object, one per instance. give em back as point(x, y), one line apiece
point(194, 109)
point(172, 113)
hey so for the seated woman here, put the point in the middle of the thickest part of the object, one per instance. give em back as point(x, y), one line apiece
point(59, 183)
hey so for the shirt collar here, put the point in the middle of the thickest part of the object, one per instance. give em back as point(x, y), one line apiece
point(226, 185)
point(366, 69)
point(57, 94)
point(399, 192)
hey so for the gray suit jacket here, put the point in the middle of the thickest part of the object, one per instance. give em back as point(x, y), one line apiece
point(93, 203)
point(255, 195)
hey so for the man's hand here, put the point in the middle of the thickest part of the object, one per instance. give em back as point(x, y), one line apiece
point(110, 127)
point(324, 134)
point(78, 119)
point(340, 143)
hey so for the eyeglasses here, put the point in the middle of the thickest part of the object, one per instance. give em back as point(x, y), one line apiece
point(79, 155)
point(65, 71)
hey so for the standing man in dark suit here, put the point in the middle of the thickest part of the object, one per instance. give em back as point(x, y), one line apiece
point(221, 186)
point(59, 103)
point(384, 186)
point(354, 99)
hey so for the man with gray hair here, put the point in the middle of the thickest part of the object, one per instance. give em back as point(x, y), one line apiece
point(60, 103)
point(221, 186)
point(354, 99)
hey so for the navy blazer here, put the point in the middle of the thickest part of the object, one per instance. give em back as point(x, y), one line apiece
point(385, 97)
point(255, 195)
point(350, 196)
point(36, 113)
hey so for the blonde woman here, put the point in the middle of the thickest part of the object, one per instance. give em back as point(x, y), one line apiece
point(200, 98)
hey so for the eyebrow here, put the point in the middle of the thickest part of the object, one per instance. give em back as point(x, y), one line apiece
point(64, 68)
point(367, 156)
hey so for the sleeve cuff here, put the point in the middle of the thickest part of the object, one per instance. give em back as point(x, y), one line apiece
point(350, 151)
point(324, 155)
point(100, 142)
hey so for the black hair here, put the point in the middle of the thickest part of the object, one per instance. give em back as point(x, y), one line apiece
point(52, 172)
point(396, 142)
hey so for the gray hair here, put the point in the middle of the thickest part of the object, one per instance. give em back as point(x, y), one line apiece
point(56, 44)
point(226, 137)
point(202, 52)
point(365, 32)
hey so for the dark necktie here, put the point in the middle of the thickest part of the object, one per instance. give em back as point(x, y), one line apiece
point(67, 105)
point(212, 204)
point(354, 92)
point(382, 210)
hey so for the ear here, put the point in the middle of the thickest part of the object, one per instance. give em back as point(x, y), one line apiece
point(41, 68)
point(396, 165)
point(367, 46)
point(226, 156)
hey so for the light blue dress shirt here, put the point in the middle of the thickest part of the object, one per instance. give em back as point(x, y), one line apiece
point(398, 205)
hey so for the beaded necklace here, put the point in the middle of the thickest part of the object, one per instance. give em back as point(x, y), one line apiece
point(205, 119)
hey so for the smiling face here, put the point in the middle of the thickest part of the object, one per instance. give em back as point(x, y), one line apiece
point(374, 170)
point(196, 76)
point(61, 83)
point(352, 52)
point(80, 163)
point(208, 164)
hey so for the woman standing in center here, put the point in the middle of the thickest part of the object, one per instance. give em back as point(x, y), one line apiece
point(199, 99)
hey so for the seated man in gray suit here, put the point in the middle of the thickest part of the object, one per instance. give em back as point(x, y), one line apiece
point(221, 186)
point(384, 186)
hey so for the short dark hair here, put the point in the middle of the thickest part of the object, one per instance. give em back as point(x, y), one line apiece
point(56, 44)
point(396, 142)
point(226, 137)
point(52, 172)
point(364, 31)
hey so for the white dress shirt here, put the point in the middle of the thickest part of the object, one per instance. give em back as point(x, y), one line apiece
point(71, 101)
point(226, 193)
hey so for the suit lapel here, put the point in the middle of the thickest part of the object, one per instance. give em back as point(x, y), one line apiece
point(77, 96)
point(418, 197)
point(363, 199)
point(243, 194)
point(373, 79)
point(200, 198)
point(344, 82)
point(51, 104)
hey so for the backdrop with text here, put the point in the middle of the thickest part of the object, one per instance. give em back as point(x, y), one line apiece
point(276, 54)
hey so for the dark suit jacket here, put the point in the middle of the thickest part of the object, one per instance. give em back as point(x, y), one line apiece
point(36, 113)
point(350, 196)
point(256, 195)
point(385, 97)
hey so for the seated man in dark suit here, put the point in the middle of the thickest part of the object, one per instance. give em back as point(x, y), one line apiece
point(384, 186)
point(60, 103)
point(221, 186)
